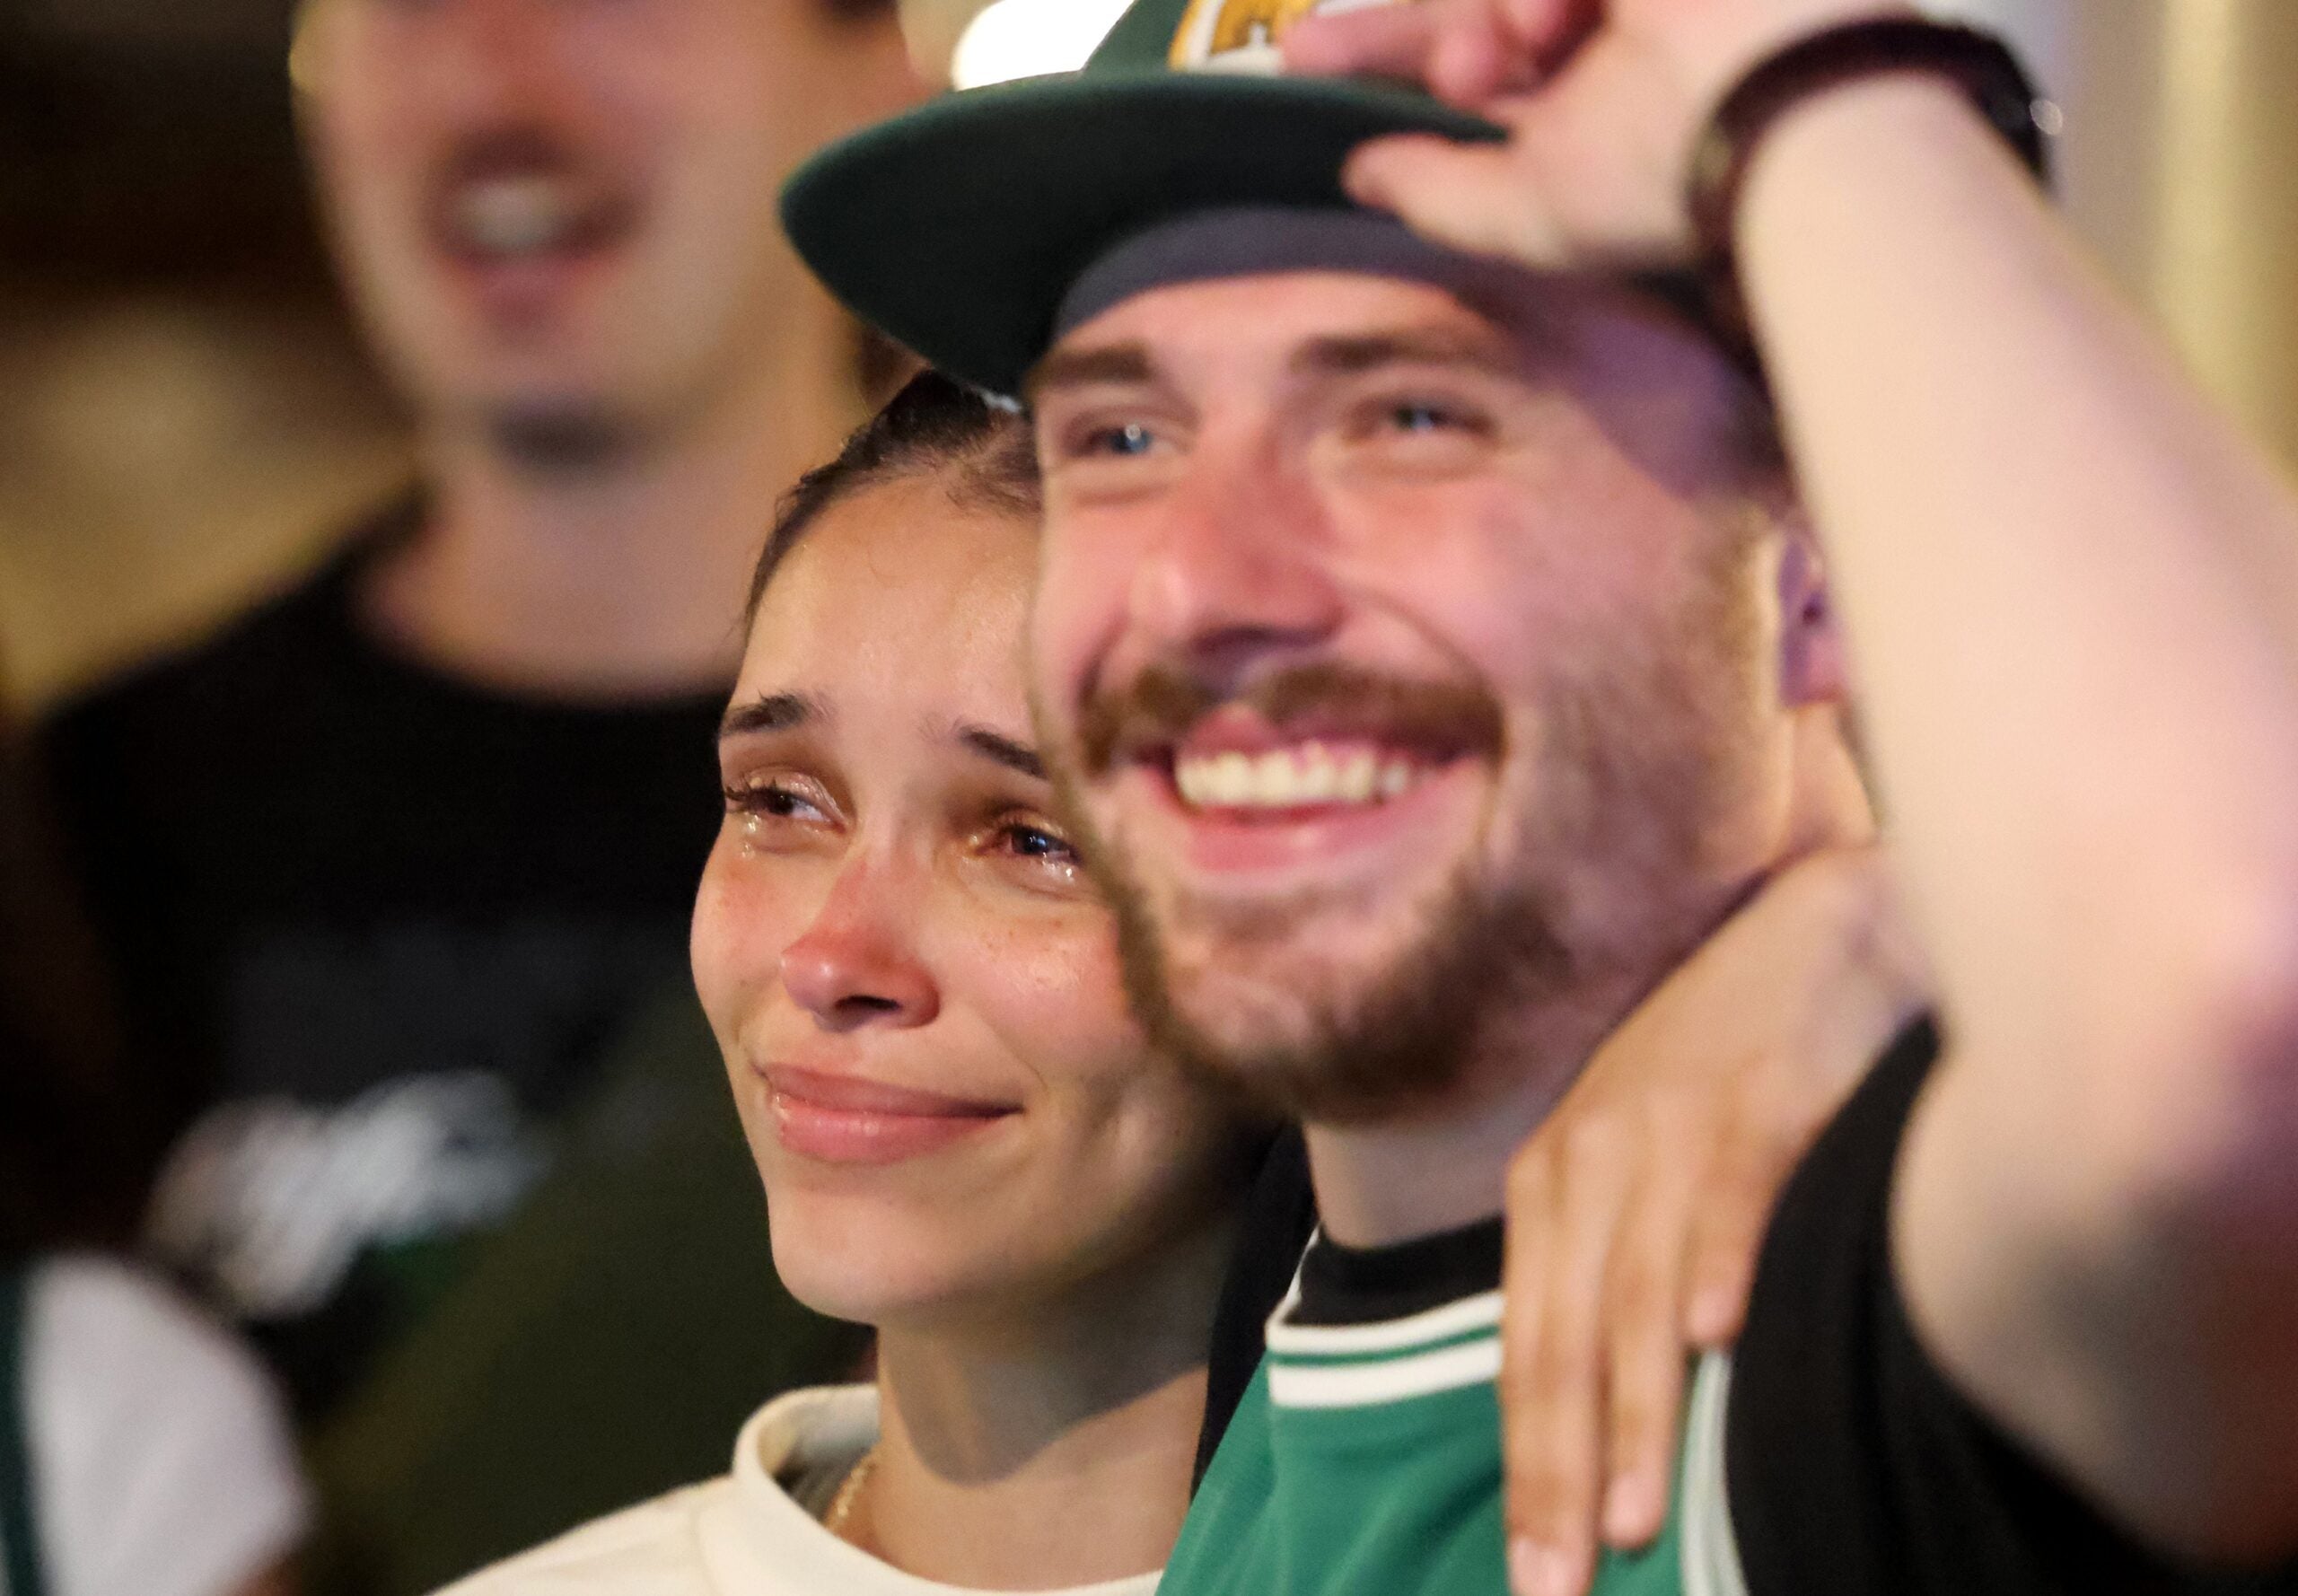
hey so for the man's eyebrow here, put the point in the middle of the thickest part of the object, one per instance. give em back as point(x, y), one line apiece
point(1355, 353)
point(775, 712)
point(1074, 368)
point(1003, 750)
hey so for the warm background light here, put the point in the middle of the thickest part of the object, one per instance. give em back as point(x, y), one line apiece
point(1027, 37)
point(183, 414)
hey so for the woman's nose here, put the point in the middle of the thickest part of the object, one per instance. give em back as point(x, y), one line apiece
point(858, 963)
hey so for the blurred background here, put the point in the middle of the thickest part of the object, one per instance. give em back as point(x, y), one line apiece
point(184, 411)
point(306, 835)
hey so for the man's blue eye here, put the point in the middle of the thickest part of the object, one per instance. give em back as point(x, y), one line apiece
point(1132, 438)
point(1420, 418)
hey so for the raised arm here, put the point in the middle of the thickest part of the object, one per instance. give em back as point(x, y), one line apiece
point(2072, 593)
point(2072, 590)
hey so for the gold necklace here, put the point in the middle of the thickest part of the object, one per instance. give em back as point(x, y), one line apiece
point(849, 1492)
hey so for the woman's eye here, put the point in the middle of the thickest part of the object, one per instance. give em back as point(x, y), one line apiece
point(1039, 844)
point(772, 800)
point(1034, 843)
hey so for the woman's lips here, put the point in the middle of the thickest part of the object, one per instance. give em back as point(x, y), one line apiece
point(839, 1119)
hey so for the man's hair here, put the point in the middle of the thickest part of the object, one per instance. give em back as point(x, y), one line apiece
point(935, 425)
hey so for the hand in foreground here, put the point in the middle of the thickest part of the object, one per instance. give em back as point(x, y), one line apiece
point(1635, 1212)
point(1602, 99)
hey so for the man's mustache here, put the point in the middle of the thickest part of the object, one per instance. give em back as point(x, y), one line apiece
point(1158, 707)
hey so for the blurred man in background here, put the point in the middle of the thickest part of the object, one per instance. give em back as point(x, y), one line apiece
point(391, 862)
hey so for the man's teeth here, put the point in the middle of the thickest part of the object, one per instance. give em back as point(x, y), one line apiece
point(1292, 778)
point(516, 215)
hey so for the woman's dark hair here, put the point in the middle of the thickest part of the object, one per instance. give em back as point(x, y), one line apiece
point(935, 425)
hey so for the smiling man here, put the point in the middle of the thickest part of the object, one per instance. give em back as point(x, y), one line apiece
point(1433, 640)
point(1392, 818)
point(434, 816)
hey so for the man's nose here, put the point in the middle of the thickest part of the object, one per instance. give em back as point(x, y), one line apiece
point(1240, 568)
point(858, 963)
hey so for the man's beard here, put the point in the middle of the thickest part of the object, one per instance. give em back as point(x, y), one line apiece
point(542, 435)
point(564, 440)
point(1639, 758)
point(1408, 1041)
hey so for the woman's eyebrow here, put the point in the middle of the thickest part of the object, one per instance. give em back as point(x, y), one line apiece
point(772, 711)
point(1003, 750)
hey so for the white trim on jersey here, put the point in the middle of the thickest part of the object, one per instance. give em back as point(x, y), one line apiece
point(1384, 1380)
point(1707, 1553)
point(1439, 1349)
point(1395, 1335)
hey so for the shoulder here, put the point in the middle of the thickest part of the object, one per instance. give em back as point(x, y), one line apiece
point(653, 1549)
point(706, 1539)
point(700, 1540)
point(165, 1457)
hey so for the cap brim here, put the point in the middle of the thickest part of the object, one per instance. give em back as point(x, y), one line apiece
point(958, 228)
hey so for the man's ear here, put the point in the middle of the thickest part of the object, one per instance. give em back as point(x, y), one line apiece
point(1813, 666)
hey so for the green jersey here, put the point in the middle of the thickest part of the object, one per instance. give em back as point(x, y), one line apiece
point(1365, 1458)
point(1364, 1455)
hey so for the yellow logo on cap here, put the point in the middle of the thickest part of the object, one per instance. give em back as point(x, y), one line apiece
point(1242, 35)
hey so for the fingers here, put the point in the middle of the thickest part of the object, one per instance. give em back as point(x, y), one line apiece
point(1734, 1207)
point(1517, 40)
point(1551, 29)
point(1636, 1212)
point(1468, 64)
point(1538, 1564)
point(1382, 41)
point(1644, 1389)
point(1566, 1198)
point(1468, 197)
point(1643, 1307)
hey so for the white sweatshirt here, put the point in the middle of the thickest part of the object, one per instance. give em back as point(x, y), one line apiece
point(740, 1534)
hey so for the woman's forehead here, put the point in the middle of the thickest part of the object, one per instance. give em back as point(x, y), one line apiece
point(898, 596)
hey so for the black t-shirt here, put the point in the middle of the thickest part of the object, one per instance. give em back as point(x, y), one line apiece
point(1855, 1468)
point(1367, 1285)
point(375, 925)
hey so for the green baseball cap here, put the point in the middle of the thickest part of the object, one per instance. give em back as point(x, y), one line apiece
point(958, 228)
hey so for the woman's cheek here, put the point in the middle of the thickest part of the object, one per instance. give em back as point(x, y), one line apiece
point(712, 942)
point(745, 913)
point(1059, 1005)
